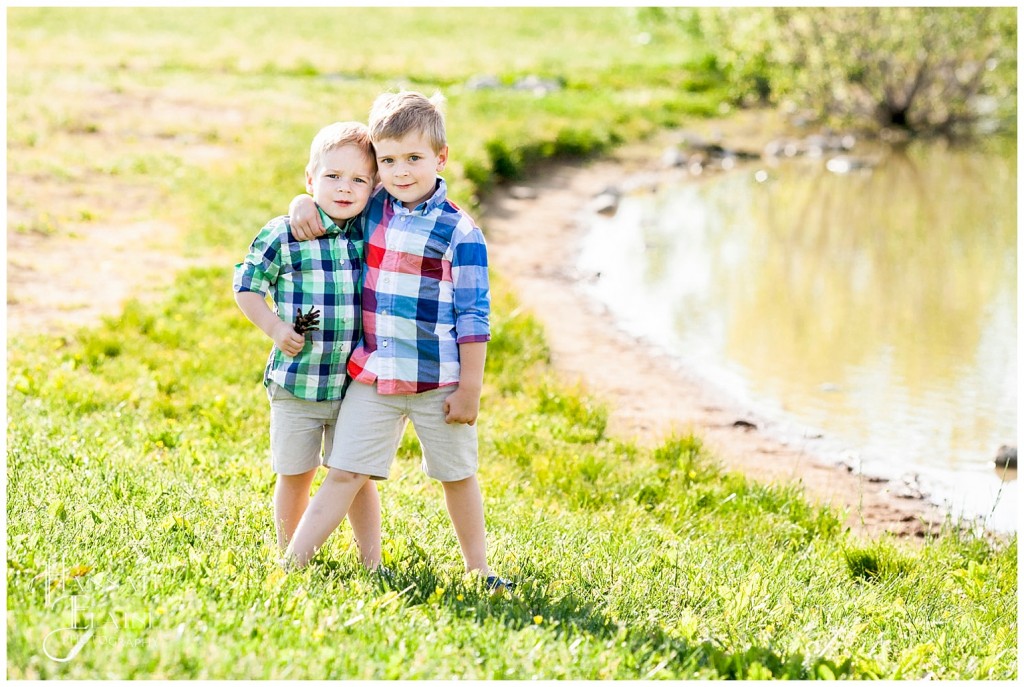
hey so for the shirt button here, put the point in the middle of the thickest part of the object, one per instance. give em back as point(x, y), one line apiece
point(385, 343)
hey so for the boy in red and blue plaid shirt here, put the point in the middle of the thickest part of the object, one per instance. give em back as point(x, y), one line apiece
point(426, 307)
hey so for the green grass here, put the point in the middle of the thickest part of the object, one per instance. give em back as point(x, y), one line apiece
point(129, 84)
point(138, 497)
point(138, 481)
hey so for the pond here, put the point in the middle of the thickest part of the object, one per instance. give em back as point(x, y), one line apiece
point(874, 310)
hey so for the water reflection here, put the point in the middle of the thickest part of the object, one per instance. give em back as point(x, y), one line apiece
point(878, 306)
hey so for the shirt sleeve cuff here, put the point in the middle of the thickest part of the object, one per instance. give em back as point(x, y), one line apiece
point(247, 278)
point(473, 338)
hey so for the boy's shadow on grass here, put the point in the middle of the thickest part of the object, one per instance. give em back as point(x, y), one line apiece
point(418, 584)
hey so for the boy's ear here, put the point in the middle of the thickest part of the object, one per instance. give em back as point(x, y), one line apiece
point(309, 181)
point(442, 158)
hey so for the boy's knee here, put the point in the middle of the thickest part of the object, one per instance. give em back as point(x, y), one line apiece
point(465, 481)
point(343, 476)
point(296, 479)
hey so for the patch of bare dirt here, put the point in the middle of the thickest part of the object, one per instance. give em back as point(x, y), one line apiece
point(59, 282)
point(533, 230)
point(83, 235)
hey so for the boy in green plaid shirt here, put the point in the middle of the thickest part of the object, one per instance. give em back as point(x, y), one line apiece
point(315, 323)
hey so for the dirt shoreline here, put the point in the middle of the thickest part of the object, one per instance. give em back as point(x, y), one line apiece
point(533, 230)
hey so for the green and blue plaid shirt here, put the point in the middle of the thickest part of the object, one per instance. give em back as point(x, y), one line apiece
point(325, 274)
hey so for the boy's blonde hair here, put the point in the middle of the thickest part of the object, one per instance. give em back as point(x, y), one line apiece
point(337, 135)
point(394, 115)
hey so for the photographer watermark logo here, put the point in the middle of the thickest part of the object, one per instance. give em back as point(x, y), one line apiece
point(89, 614)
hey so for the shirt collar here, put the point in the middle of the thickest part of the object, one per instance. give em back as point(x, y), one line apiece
point(332, 227)
point(429, 205)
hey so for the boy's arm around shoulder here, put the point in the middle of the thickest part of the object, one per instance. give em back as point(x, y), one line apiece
point(304, 218)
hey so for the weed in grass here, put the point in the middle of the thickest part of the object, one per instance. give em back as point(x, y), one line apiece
point(877, 562)
point(44, 225)
point(583, 421)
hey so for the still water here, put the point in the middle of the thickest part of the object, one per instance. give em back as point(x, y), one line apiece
point(875, 308)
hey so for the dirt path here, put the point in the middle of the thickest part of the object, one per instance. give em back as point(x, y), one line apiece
point(58, 283)
point(533, 229)
point(84, 239)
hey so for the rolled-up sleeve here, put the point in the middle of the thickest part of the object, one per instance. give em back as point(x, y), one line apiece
point(261, 266)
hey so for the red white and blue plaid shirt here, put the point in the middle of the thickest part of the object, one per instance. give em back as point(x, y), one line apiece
point(425, 291)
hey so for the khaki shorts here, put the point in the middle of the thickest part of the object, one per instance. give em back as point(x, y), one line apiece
point(299, 429)
point(370, 428)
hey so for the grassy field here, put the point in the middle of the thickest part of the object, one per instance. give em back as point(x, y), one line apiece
point(139, 539)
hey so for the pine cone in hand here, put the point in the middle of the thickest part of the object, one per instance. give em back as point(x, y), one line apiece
point(310, 322)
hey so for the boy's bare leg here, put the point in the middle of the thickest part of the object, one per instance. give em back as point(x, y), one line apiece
point(291, 497)
point(466, 509)
point(325, 512)
point(364, 516)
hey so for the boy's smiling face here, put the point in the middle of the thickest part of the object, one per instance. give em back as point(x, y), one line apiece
point(408, 167)
point(342, 182)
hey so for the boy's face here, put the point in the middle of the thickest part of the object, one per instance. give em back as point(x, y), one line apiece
point(408, 167)
point(342, 182)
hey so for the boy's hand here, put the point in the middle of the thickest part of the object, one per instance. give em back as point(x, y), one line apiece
point(286, 339)
point(304, 219)
point(462, 406)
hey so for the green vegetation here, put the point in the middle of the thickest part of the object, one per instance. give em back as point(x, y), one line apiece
point(136, 481)
point(224, 93)
point(922, 70)
point(138, 501)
